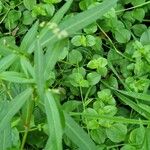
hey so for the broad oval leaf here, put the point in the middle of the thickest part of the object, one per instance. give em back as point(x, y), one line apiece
point(29, 4)
point(145, 37)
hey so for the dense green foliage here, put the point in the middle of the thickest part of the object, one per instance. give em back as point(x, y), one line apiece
point(74, 75)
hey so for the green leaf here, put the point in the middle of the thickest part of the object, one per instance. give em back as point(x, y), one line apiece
point(5, 137)
point(93, 78)
point(75, 57)
point(146, 143)
point(78, 40)
point(7, 61)
point(77, 80)
point(54, 122)
point(77, 135)
point(137, 2)
point(128, 147)
point(139, 14)
point(141, 96)
point(87, 17)
point(61, 12)
point(145, 37)
point(122, 35)
point(52, 1)
point(15, 77)
point(52, 56)
point(97, 63)
point(27, 18)
point(29, 4)
point(133, 105)
point(98, 135)
point(39, 69)
point(138, 29)
point(14, 107)
point(116, 132)
point(77, 22)
point(27, 67)
point(137, 136)
point(29, 37)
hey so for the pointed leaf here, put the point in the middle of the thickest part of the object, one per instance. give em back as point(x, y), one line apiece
point(27, 67)
point(52, 56)
point(77, 135)
point(29, 37)
point(73, 24)
point(14, 107)
point(54, 122)
point(14, 77)
point(144, 97)
point(5, 137)
point(133, 105)
point(39, 69)
point(61, 12)
point(7, 61)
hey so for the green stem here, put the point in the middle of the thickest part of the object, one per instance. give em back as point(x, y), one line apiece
point(28, 116)
point(137, 6)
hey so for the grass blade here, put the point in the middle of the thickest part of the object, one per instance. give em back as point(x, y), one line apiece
point(27, 67)
point(133, 105)
point(39, 69)
point(61, 12)
point(54, 122)
point(58, 16)
point(5, 135)
point(77, 135)
point(7, 61)
point(16, 77)
point(87, 17)
point(73, 24)
point(5, 138)
point(120, 119)
point(29, 37)
point(144, 97)
point(14, 107)
point(52, 56)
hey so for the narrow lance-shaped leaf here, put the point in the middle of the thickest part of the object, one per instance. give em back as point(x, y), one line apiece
point(73, 24)
point(14, 107)
point(5, 135)
point(54, 123)
point(39, 68)
point(77, 135)
point(7, 61)
point(52, 56)
point(133, 105)
point(144, 97)
point(27, 67)
point(29, 37)
point(58, 16)
point(15, 77)
point(61, 12)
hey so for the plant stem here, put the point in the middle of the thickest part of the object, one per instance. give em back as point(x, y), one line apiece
point(28, 116)
point(137, 6)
